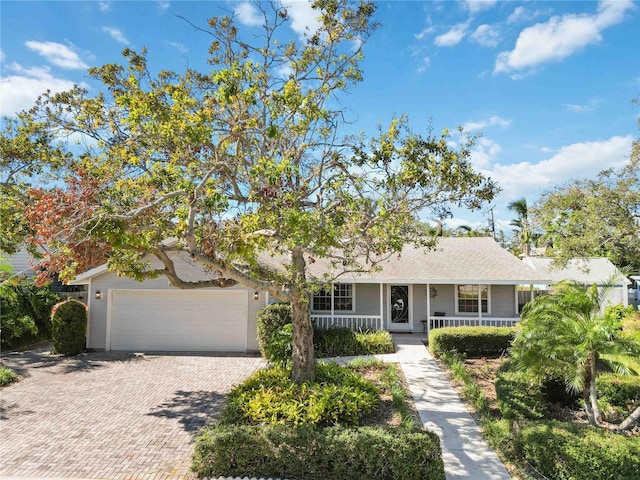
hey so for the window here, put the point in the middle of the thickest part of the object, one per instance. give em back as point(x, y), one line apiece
point(468, 298)
point(342, 299)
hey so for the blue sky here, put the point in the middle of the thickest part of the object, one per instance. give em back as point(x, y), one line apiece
point(548, 84)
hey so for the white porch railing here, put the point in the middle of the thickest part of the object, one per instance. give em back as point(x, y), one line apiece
point(353, 322)
point(439, 322)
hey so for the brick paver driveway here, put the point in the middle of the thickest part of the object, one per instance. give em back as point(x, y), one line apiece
point(110, 416)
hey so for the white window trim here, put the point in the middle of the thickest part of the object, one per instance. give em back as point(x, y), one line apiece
point(338, 312)
point(488, 312)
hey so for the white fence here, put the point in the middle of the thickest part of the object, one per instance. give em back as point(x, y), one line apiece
point(353, 322)
point(439, 322)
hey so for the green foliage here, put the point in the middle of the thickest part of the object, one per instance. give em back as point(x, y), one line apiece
point(25, 312)
point(275, 337)
point(573, 452)
point(581, 218)
point(471, 341)
point(69, 323)
point(519, 394)
point(564, 336)
point(616, 314)
point(334, 453)
point(618, 395)
point(7, 376)
point(337, 396)
point(343, 342)
point(271, 319)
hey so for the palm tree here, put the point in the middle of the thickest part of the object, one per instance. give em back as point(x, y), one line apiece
point(522, 223)
point(566, 333)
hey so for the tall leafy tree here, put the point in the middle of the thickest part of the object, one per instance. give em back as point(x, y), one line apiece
point(566, 334)
point(244, 163)
point(521, 224)
point(598, 217)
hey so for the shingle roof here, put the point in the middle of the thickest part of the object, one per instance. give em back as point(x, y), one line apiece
point(581, 270)
point(453, 260)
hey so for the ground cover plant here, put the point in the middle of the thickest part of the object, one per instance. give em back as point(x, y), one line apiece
point(542, 431)
point(7, 376)
point(349, 423)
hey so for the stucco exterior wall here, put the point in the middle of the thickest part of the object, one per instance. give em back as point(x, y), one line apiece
point(186, 269)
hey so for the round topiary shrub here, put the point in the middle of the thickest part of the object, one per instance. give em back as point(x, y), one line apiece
point(69, 327)
point(270, 320)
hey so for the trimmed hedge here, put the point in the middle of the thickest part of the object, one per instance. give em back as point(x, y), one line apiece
point(618, 395)
point(275, 338)
point(69, 327)
point(343, 342)
point(333, 453)
point(574, 452)
point(338, 395)
point(471, 341)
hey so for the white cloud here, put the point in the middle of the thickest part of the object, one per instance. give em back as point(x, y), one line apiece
point(163, 6)
point(304, 19)
point(20, 91)
point(453, 37)
point(492, 121)
point(424, 33)
point(475, 6)
point(486, 35)
point(180, 47)
point(104, 6)
point(426, 63)
point(2, 56)
point(578, 160)
point(585, 107)
point(116, 34)
point(560, 37)
point(519, 13)
point(484, 153)
point(248, 14)
point(57, 54)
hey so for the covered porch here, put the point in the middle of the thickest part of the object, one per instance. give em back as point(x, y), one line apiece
point(421, 307)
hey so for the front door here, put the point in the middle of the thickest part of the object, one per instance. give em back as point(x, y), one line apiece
point(399, 308)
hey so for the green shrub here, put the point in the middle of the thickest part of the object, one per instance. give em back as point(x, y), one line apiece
point(279, 349)
point(618, 395)
point(471, 341)
point(7, 376)
point(25, 312)
point(337, 396)
point(575, 452)
point(334, 453)
point(341, 342)
point(519, 394)
point(270, 320)
point(617, 313)
point(69, 322)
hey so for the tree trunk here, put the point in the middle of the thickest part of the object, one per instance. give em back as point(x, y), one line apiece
point(303, 356)
point(593, 396)
point(630, 421)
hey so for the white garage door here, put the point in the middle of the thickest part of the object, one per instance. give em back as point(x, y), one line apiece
point(166, 320)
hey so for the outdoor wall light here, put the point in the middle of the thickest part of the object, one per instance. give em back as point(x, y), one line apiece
point(256, 295)
point(433, 293)
point(98, 295)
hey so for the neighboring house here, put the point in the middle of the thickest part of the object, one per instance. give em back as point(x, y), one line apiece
point(21, 262)
point(464, 281)
point(586, 271)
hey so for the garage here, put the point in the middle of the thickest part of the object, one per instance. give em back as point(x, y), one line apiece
point(179, 320)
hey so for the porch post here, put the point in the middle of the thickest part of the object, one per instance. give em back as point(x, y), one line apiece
point(381, 307)
point(517, 309)
point(428, 309)
point(480, 304)
point(532, 292)
point(333, 287)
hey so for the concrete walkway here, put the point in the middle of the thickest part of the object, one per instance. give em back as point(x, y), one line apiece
point(465, 453)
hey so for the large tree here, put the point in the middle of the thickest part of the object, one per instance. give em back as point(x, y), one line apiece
point(244, 162)
point(595, 217)
point(521, 224)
